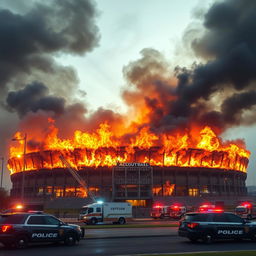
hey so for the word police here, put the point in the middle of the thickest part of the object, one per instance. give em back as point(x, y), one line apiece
point(230, 232)
point(44, 235)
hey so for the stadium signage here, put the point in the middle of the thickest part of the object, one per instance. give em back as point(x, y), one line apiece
point(133, 164)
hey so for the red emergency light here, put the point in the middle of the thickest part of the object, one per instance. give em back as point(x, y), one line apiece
point(246, 204)
point(5, 228)
point(209, 208)
point(157, 206)
point(205, 207)
point(175, 207)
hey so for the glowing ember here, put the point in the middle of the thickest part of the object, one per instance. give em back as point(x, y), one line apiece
point(102, 148)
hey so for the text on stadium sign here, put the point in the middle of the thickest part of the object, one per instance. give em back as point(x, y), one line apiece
point(133, 164)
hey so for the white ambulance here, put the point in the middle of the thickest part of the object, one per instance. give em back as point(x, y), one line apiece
point(113, 212)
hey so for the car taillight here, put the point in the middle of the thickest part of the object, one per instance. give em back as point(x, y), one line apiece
point(192, 225)
point(5, 228)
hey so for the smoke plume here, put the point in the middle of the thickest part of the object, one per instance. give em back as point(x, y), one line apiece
point(33, 83)
point(219, 92)
point(30, 77)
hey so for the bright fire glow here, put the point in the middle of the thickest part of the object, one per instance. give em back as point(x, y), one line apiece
point(190, 148)
point(19, 206)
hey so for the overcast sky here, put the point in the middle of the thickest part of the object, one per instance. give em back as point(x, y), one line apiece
point(127, 27)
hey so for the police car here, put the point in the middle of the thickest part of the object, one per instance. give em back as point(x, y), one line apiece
point(209, 226)
point(20, 229)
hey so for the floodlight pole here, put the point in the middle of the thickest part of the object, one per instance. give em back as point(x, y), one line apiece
point(24, 165)
point(2, 173)
point(24, 168)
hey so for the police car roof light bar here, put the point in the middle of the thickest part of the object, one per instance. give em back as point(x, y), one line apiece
point(36, 212)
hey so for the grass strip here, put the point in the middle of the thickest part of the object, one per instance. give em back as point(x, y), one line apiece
point(233, 253)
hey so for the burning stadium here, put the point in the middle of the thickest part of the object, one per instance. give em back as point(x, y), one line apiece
point(165, 138)
point(184, 165)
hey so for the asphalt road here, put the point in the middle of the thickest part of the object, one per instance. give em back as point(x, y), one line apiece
point(128, 246)
point(130, 232)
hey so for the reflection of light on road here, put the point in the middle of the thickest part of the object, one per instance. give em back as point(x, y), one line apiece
point(100, 251)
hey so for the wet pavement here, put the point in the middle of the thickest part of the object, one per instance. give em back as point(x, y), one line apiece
point(130, 232)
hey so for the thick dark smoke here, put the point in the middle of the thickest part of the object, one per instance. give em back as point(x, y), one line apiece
point(33, 84)
point(217, 92)
point(234, 105)
point(29, 42)
point(230, 45)
point(34, 97)
point(30, 77)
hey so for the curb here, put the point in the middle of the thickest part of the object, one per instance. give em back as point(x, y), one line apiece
point(184, 253)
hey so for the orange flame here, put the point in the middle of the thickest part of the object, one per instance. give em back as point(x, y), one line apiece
point(103, 148)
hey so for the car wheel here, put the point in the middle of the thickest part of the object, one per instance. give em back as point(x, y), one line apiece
point(21, 242)
point(70, 240)
point(121, 221)
point(93, 221)
point(193, 240)
point(207, 238)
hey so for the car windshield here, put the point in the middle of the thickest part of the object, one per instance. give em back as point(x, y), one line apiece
point(240, 209)
point(84, 210)
point(196, 217)
point(12, 219)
